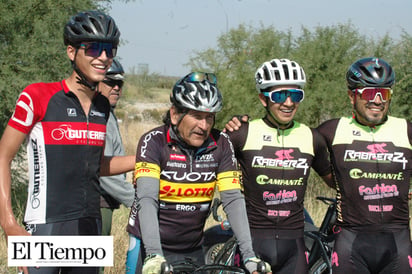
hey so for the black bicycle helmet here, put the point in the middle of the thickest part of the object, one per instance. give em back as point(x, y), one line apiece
point(370, 72)
point(115, 72)
point(201, 96)
point(91, 26)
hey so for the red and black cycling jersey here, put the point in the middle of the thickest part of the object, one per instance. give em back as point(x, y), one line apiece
point(64, 147)
point(187, 178)
point(373, 169)
point(275, 168)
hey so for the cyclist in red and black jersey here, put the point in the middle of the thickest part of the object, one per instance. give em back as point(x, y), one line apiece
point(65, 126)
point(178, 166)
point(276, 154)
point(371, 154)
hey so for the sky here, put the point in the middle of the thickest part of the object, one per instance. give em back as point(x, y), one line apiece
point(163, 34)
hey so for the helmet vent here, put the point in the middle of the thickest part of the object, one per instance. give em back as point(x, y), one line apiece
point(266, 74)
point(365, 71)
point(286, 70)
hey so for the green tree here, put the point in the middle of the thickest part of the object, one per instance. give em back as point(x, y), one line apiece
point(325, 53)
point(402, 62)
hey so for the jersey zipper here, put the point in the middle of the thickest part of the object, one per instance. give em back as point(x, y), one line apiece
point(372, 133)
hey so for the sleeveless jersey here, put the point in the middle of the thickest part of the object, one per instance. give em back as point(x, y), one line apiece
point(373, 170)
point(275, 168)
point(187, 182)
point(64, 147)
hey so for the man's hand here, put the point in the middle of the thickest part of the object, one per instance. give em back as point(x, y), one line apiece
point(153, 264)
point(235, 123)
point(256, 265)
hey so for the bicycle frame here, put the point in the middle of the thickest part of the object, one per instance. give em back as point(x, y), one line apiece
point(224, 249)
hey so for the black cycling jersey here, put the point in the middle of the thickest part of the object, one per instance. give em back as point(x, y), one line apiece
point(373, 170)
point(275, 168)
point(64, 147)
point(188, 178)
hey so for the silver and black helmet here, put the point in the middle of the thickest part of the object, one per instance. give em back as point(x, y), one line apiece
point(196, 95)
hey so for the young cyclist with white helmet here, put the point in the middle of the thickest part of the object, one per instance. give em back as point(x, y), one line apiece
point(371, 153)
point(276, 154)
point(177, 168)
point(65, 125)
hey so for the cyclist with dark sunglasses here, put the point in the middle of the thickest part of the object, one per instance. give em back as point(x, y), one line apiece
point(276, 154)
point(115, 189)
point(178, 166)
point(371, 153)
point(65, 126)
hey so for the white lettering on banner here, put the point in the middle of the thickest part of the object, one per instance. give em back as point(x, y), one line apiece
point(60, 251)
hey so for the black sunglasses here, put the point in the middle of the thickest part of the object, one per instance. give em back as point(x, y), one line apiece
point(95, 49)
point(113, 83)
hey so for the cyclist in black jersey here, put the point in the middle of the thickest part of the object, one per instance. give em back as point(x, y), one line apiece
point(65, 125)
point(276, 154)
point(371, 153)
point(178, 167)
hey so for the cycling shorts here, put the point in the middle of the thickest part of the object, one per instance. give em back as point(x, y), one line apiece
point(372, 252)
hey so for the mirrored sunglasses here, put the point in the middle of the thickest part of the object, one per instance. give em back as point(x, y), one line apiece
point(113, 83)
point(370, 93)
point(200, 77)
point(280, 95)
point(95, 49)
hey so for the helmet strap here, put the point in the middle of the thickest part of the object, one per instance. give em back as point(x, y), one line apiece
point(277, 124)
point(81, 78)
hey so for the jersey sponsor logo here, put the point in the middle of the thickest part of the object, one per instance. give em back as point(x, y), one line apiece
point(176, 157)
point(379, 208)
point(34, 200)
point(23, 114)
point(184, 192)
point(265, 180)
point(234, 159)
point(357, 173)
point(176, 164)
point(267, 138)
point(97, 113)
point(378, 191)
point(147, 138)
point(356, 133)
point(185, 208)
point(205, 158)
point(176, 176)
point(281, 197)
point(144, 169)
point(284, 160)
point(71, 112)
point(74, 133)
point(278, 213)
point(376, 152)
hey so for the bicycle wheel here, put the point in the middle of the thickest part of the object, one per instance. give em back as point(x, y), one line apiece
point(320, 267)
point(212, 252)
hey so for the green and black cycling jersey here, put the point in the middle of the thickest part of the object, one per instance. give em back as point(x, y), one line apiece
point(275, 168)
point(373, 169)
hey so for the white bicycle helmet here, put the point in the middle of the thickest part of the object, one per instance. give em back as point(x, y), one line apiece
point(278, 72)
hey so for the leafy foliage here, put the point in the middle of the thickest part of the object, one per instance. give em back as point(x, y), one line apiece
point(325, 53)
point(31, 50)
